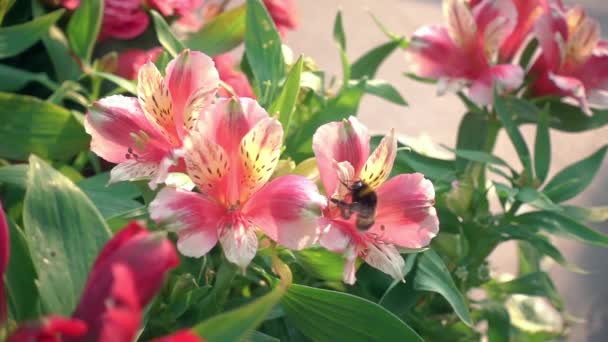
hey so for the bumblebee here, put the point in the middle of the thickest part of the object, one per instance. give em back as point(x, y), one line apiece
point(363, 203)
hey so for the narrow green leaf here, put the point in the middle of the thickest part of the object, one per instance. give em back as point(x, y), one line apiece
point(237, 324)
point(22, 294)
point(256, 336)
point(472, 131)
point(125, 84)
point(562, 225)
point(531, 284)
point(506, 111)
point(15, 174)
point(264, 51)
point(5, 6)
point(563, 116)
point(339, 35)
point(368, 64)
point(499, 322)
point(64, 232)
point(16, 39)
point(84, 27)
point(384, 90)
point(165, 36)
point(478, 156)
point(111, 200)
point(434, 168)
point(321, 263)
point(324, 315)
point(432, 275)
point(35, 126)
point(13, 79)
point(221, 34)
point(536, 199)
point(286, 102)
point(593, 214)
point(575, 178)
point(542, 146)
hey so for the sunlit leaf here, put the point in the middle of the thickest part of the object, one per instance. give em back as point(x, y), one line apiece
point(84, 27)
point(220, 34)
point(15, 39)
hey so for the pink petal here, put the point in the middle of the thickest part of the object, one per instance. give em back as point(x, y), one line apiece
point(584, 35)
point(208, 165)
point(551, 30)
point(118, 127)
point(378, 166)
point(49, 329)
point(195, 218)
point(573, 87)
point(386, 258)
point(505, 77)
point(461, 23)
point(132, 170)
point(405, 215)
point(350, 268)
point(347, 140)
point(528, 12)
point(192, 80)
point(283, 13)
point(123, 19)
point(333, 238)
point(495, 22)
point(180, 336)
point(239, 242)
point(130, 61)
point(4, 255)
point(226, 67)
point(287, 210)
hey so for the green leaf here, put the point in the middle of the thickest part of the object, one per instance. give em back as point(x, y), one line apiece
point(384, 90)
point(35, 126)
point(339, 35)
point(572, 180)
point(238, 324)
point(16, 39)
point(64, 232)
point(566, 117)
point(125, 84)
point(499, 322)
point(321, 263)
point(5, 6)
point(22, 294)
point(166, 38)
point(593, 214)
point(13, 79)
point(367, 65)
point(506, 111)
point(536, 199)
point(562, 225)
point(221, 34)
point(15, 174)
point(84, 27)
point(542, 147)
point(432, 275)
point(478, 156)
point(111, 200)
point(324, 315)
point(286, 102)
point(531, 284)
point(471, 136)
point(264, 51)
point(256, 336)
point(434, 168)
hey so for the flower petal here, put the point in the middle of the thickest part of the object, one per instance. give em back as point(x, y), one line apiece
point(347, 140)
point(461, 23)
point(4, 255)
point(350, 267)
point(528, 12)
point(288, 211)
point(133, 170)
point(180, 336)
point(380, 163)
point(226, 67)
point(551, 30)
point(405, 215)
point(333, 238)
point(573, 87)
point(195, 218)
point(259, 154)
point(192, 81)
point(120, 131)
point(386, 258)
point(240, 243)
point(584, 35)
point(495, 22)
point(154, 99)
point(506, 77)
point(207, 164)
point(49, 329)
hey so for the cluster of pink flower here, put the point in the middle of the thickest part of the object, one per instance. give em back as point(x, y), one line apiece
point(229, 147)
point(483, 38)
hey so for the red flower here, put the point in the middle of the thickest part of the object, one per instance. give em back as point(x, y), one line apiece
point(226, 67)
point(4, 253)
point(129, 270)
point(283, 13)
point(129, 61)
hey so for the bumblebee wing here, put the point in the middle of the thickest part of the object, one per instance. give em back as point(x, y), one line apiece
point(380, 163)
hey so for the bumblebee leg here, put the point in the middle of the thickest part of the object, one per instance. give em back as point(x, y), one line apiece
point(346, 209)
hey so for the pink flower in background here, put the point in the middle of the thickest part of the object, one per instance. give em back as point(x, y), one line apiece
point(464, 52)
point(283, 13)
point(574, 59)
point(226, 67)
point(186, 10)
point(128, 272)
point(130, 61)
point(144, 135)
point(70, 4)
point(231, 160)
point(402, 211)
point(123, 19)
point(4, 254)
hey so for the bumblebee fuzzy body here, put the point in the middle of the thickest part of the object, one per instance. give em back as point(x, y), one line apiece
point(363, 202)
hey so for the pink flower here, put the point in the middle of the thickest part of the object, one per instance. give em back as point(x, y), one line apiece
point(464, 52)
point(231, 160)
point(185, 9)
point(574, 59)
point(4, 254)
point(144, 135)
point(283, 13)
point(130, 61)
point(180, 336)
point(404, 215)
point(128, 272)
point(70, 4)
point(123, 19)
point(226, 67)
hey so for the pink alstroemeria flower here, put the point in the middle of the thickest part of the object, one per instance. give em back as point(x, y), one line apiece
point(4, 254)
point(404, 214)
point(231, 160)
point(144, 135)
point(184, 9)
point(226, 67)
point(284, 14)
point(130, 61)
point(128, 272)
point(574, 59)
point(123, 19)
point(465, 52)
